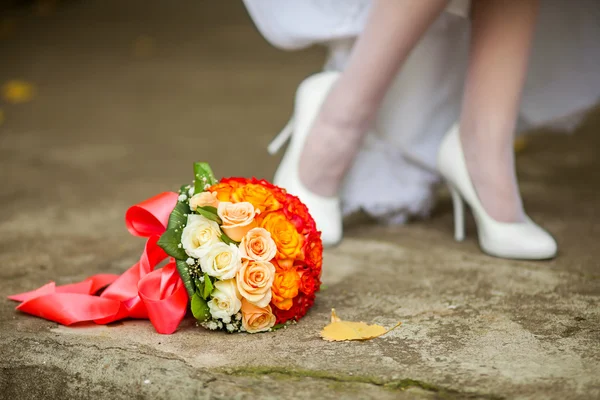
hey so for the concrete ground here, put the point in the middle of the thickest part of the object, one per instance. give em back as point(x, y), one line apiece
point(129, 94)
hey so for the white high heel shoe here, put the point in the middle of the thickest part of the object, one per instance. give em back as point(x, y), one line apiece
point(524, 240)
point(326, 211)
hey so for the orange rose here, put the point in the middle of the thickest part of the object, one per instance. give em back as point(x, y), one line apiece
point(204, 199)
point(279, 193)
point(282, 267)
point(257, 319)
point(238, 218)
point(258, 195)
point(254, 280)
point(285, 288)
point(257, 245)
point(289, 242)
point(224, 190)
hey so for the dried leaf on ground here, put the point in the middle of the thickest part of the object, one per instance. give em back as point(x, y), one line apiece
point(339, 330)
point(17, 91)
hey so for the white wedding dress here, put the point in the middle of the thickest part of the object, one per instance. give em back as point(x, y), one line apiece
point(392, 178)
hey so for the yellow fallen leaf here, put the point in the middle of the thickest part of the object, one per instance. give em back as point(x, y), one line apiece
point(520, 144)
point(339, 330)
point(334, 316)
point(17, 91)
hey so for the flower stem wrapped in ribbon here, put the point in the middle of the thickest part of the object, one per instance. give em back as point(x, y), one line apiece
point(246, 253)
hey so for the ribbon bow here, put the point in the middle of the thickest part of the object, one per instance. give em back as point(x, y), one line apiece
point(141, 292)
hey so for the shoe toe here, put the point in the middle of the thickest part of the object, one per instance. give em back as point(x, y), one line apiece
point(519, 241)
point(537, 244)
point(544, 245)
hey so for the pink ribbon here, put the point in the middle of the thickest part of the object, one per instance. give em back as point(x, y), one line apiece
point(141, 292)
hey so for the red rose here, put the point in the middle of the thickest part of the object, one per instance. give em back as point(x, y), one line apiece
point(308, 284)
point(298, 213)
point(313, 251)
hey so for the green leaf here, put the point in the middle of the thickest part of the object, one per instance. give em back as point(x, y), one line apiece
point(199, 285)
point(278, 327)
point(200, 308)
point(170, 242)
point(211, 209)
point(203, 176)
point(229, 240)
point(204, 288)
point(208, 287)
point(183, 269)
point(209, 214)
point(184, 189)
point(178, 217)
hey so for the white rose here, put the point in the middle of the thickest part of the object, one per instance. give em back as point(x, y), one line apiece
point(226, 300)
point(199, 235)
point(222, 261)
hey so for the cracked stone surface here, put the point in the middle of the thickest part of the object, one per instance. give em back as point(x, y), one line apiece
point(111, 126)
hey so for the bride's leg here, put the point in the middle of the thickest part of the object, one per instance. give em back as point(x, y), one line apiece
point(392, 30)
point(501, 37)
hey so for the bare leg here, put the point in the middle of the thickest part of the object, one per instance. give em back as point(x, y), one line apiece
point(502, 31)
point(393, 29)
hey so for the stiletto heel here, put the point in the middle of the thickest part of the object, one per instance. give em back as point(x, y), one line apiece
point(326, 211)
point(283, 136)
point(524, 240)
point(459, 214)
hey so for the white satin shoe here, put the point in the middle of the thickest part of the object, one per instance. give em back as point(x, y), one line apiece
point(326, 211)
point(524, 240)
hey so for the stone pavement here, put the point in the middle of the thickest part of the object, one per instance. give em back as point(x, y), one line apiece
point(129, 94)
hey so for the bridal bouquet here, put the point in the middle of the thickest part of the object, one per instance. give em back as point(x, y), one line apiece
point(243, 253)
point(249, 253)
